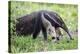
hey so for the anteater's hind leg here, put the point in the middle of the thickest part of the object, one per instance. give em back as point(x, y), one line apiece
point(44, 33)
point(37, 28)
point(36, 33)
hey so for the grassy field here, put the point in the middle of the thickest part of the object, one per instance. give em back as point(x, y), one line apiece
point(26, 43)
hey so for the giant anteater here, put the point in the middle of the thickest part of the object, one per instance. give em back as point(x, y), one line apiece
point(36, 21)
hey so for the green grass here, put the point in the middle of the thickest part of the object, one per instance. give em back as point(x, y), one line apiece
point(27, 44)
point(69, 14)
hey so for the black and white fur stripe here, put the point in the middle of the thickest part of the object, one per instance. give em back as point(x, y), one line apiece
point(47, 24)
